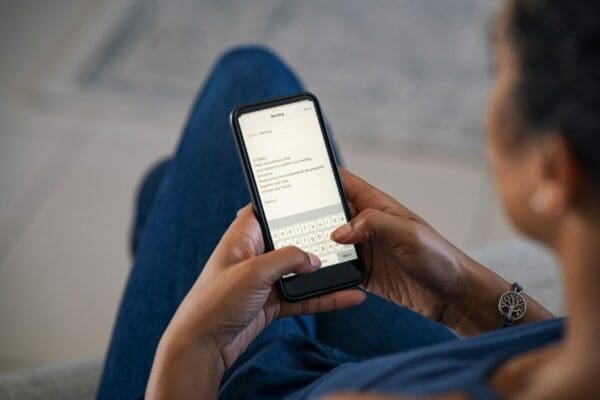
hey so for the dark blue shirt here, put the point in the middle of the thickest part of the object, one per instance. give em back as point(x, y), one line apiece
point(297, 367)
point(463, 365)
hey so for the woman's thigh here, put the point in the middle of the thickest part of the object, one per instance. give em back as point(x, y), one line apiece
point(198, 196)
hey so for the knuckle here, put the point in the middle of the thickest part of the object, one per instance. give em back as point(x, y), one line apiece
point(369, 215)
point(244, 248)
point(420, 234)
point(368, 221)
point(392, 209)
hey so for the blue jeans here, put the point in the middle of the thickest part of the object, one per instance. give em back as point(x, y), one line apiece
point(184, 206)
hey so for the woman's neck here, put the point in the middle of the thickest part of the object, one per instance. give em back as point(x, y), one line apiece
point(572, 368)
point(579, 251)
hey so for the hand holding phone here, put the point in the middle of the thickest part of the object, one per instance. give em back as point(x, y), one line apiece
point(209, 332)
point(292, 175)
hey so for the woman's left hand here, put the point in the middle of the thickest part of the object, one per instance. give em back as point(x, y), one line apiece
point(232, 301)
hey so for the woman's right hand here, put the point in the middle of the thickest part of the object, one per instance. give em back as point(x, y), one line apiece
point(412, 265)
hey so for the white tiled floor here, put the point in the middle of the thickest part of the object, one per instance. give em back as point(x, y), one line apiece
point(69, 170)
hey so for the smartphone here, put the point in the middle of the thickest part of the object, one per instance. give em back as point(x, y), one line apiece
point(291, 172)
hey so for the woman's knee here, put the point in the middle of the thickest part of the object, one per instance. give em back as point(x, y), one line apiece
point(254, 63)
point(248, 54)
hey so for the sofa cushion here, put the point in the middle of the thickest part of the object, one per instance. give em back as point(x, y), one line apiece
point(76, 380)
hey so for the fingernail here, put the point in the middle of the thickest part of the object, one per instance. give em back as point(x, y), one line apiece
point(314, 260)
point(343, 232)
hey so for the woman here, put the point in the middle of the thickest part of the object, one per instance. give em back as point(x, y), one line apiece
point(227, 336)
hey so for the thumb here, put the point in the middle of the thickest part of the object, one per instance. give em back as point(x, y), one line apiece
point(287, 260)
point(372, 224)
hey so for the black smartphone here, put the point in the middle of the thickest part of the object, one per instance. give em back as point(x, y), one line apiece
point(298, 198)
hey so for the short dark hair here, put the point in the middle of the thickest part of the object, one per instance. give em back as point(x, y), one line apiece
point(557, 49)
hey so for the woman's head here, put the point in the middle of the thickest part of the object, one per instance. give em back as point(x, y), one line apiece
point(544, 111)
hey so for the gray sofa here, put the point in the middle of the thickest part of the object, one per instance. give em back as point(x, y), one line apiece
point(524, 262)
point(69, 381)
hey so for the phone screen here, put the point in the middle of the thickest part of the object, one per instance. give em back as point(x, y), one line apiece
point(295, 179)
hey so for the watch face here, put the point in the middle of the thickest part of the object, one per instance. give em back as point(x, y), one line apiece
point(512, 306)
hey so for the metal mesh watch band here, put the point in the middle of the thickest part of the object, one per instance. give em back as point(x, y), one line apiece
point(512, 306)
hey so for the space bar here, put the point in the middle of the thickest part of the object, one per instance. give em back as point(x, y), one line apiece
point(328, 258)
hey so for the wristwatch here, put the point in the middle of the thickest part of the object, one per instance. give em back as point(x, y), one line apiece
point(512, 306)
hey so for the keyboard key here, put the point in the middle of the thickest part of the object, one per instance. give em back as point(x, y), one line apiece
point(345, 255)
point(304, 227)
point(326, 260)
point(327, 222)
point(312, 225)
point(297, 229)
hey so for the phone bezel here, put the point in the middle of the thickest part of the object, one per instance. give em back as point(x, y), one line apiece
point(328, 279)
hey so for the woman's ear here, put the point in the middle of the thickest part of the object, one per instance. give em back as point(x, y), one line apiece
point(560, 178)
point(558, 186)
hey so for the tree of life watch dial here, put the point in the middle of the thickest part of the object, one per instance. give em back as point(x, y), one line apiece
point(512, 306)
